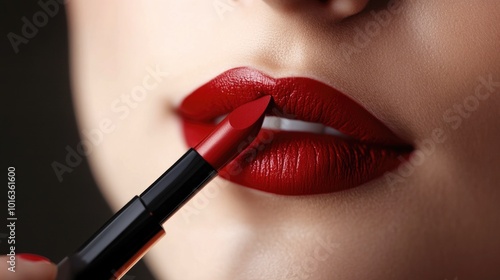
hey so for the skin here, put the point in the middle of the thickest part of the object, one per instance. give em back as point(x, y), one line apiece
point(437, 221)
point(26, 269)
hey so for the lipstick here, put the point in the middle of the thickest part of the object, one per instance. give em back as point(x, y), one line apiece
point(128, 235)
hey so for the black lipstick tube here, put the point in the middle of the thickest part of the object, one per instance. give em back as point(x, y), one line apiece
point(128, 235)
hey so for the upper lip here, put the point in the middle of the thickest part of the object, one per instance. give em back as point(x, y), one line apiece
point(295, 97)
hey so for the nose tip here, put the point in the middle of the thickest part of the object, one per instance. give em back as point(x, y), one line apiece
point(338, 9)
point(341, 9)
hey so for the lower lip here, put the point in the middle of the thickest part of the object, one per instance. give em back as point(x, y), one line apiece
point(299, 163)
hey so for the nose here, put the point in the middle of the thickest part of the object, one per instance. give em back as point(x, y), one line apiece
point(341, 9)
point(337, 9)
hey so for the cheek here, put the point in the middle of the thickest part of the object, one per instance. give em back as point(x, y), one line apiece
point(433, 56)
point(461, 40)
point(459, 44)
point(456, 47)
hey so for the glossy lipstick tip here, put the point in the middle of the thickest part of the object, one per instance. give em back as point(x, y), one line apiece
point(234, 133)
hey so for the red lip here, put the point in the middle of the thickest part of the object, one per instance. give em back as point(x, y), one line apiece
point(295, 163)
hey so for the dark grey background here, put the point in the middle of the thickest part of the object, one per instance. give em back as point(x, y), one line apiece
point(38, 122)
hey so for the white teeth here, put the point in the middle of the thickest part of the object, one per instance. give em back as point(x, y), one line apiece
point(331, 131)
point(295, 125)
point(272, 122)
point(277, 123)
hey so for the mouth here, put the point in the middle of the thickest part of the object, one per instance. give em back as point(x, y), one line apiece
point(314, 140)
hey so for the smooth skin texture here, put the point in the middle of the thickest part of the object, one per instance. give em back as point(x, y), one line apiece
point(419, 71)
